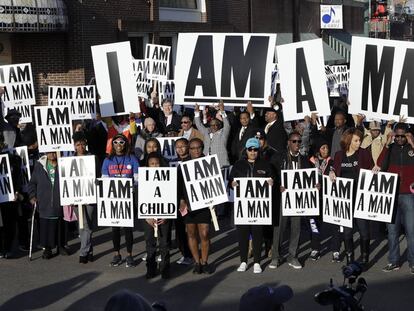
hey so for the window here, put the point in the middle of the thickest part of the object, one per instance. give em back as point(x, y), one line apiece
point(137, 47)
point(179, 4)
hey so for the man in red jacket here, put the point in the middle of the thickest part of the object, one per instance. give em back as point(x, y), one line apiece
point(399, 158)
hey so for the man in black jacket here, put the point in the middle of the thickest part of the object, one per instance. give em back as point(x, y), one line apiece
point(274, 129)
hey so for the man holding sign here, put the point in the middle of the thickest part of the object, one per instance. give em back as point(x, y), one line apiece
point(399, 158)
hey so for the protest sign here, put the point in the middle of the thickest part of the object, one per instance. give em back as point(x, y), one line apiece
point(252, 202)
point(168, 148)
point(158, 60)
point(77, 180)
point(303, 80)
point(301, 198)
point(54, 128)
point(115, 202)
point(225, 171)
point(143, 85)
point(115, 79)
point(382, 79)
point(23, 154)
point(375, 196)
point(6, 181)
point(80, 99)
point(157, 194)
point(275, 79)
point(337, 80)
point(204, 182)
point(231, 67)
point(19, 94)
point(167, 90)
point(337, 201)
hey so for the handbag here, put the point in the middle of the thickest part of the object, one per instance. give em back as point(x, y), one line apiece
point(69, 213)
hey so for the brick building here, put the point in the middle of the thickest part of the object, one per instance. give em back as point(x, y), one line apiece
point(56, 36)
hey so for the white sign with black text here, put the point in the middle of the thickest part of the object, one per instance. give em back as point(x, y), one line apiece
point(80, 99)
point(115, 79)
point(231, 67)
point(303, 79)
point(252, 202)
point(143, 85)
point(168, 148)
point(204, 182)
point(337, 201)
point(19, 94)
point(375, 196)
point(301, 197)
point(157, 193)
point(77, 180)
point(158, 61)
point(6, 180)
point(167, 90)
point(115, 202)
point(54, 128)
point(382, 81)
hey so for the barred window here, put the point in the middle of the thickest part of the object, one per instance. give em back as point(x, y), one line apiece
point(180, 4)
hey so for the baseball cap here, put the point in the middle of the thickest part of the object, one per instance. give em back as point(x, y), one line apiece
point(265, 298)
point(252, 142)
point(374, 125)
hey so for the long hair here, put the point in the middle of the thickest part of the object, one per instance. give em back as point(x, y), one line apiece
point(346, 137)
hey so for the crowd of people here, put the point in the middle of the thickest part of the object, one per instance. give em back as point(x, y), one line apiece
point(255, 142)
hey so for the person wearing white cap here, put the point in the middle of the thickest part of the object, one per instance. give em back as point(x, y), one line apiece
point(250, 166)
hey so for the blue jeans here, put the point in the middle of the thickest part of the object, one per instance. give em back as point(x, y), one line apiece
point(405, 217)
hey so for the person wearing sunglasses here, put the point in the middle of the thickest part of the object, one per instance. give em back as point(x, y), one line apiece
point(215, 137)
point(250, 166)
point(187, 130)
point(347, 163)
point(120, 163)
point(288, 160)
point(398, 157)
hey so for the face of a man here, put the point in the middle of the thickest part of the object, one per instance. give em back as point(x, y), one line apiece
point(375, 133)
point(214, 126)
point(339, 120)
point(294, 143)
point(80, 147)
point(244, 119)
point(167, 108)
point(400, 138)
point(196, 150)
point(270, 116)
point(186, 123)
point(181, 148)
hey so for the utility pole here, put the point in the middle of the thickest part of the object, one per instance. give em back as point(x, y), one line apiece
point(295, 20)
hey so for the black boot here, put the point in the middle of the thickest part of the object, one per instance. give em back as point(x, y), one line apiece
point(364, 253)
point(151, 268)
point(349, 250)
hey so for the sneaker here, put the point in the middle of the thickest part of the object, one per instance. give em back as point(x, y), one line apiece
point(275, 263)
point(242, 267)
point(294, 263)
point(159, 259)
point(207, 269)
point(197, 268)
point(315, 255)
point(116, 261)
point(144, 258)
point(186, 261)
point(257, 268)
point(391, 267)
point(335, 257)
point(130, 262)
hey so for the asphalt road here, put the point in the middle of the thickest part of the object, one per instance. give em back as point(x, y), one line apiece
point(63, 284)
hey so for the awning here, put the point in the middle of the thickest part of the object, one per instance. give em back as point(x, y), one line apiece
point(33, 16)
point(331, 56)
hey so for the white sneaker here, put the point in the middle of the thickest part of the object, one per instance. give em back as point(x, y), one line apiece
point(186, 261)
point(257, 268)
point(242, 267)
point(159, 259)
point(180, 261)
point(144, 258)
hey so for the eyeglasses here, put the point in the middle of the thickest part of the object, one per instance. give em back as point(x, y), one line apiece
point(119, 142)
point(296, 141)
point(185, 122)
point(251, 149)
point(399, 136)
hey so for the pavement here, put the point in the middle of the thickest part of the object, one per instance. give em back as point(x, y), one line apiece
point(61, 283)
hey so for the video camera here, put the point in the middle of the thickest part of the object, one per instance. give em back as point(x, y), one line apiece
point(345, 297)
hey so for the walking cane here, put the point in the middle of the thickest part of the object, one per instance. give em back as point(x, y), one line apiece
point(31, 232)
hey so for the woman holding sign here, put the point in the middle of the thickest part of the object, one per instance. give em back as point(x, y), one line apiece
point(120, 163)
point(250, 166)
point(347, 163)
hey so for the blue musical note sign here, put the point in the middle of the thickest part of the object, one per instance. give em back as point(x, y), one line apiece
point(327, 17)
